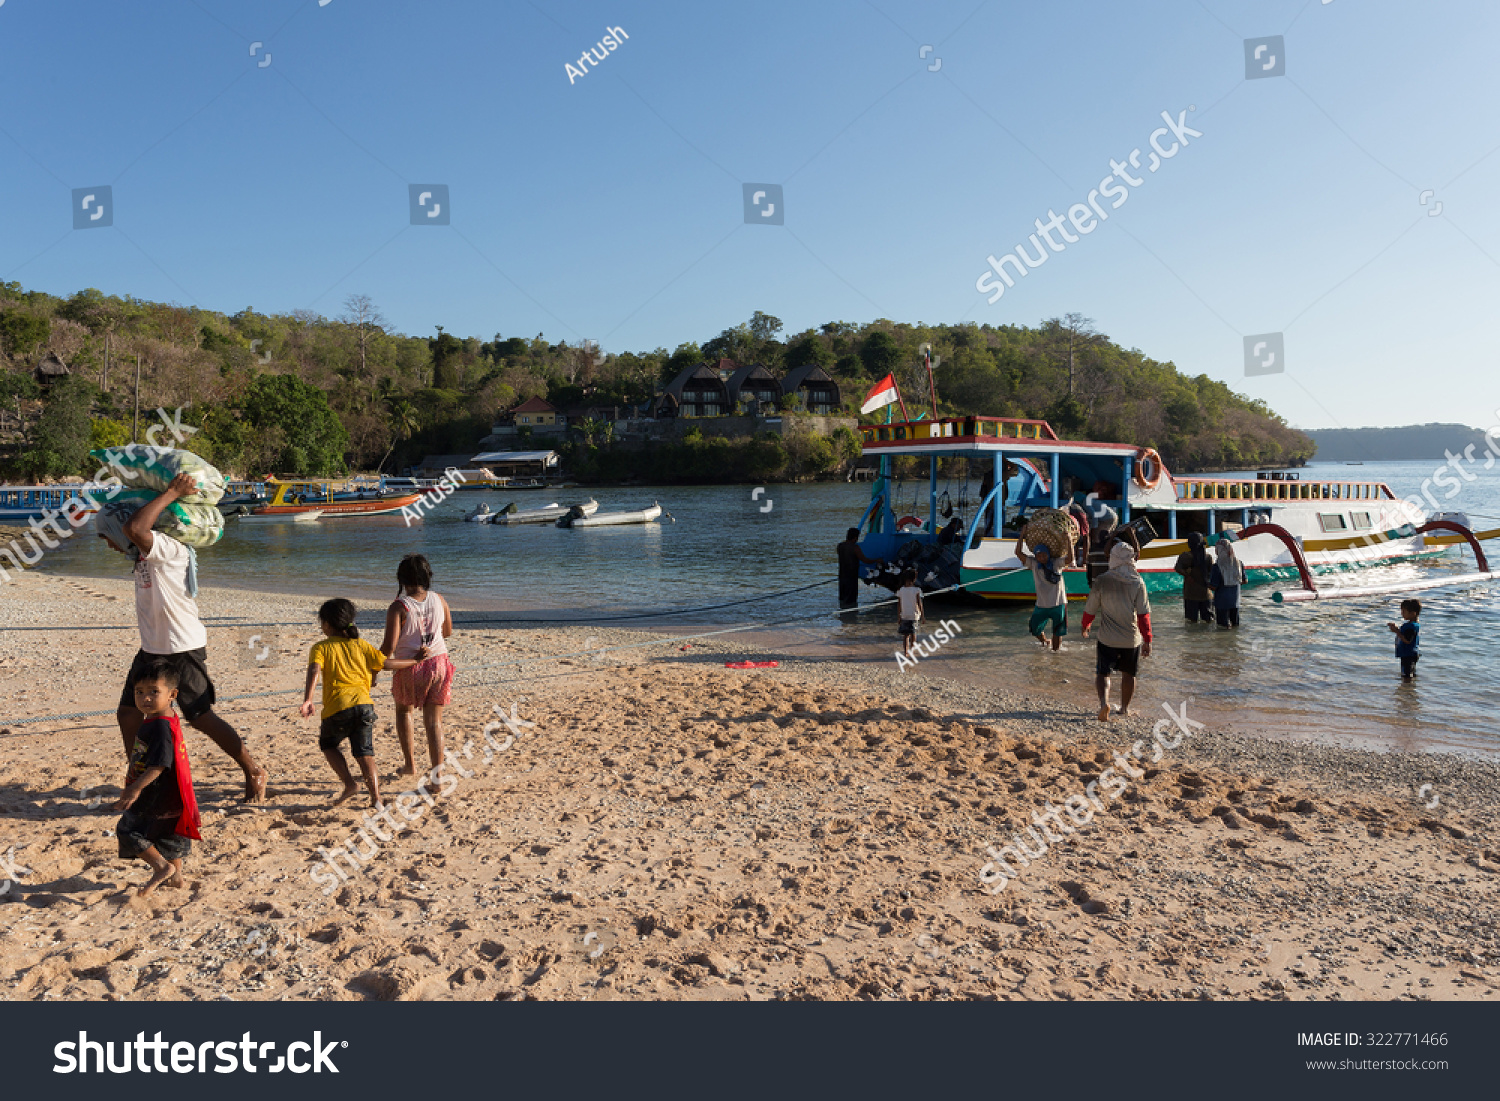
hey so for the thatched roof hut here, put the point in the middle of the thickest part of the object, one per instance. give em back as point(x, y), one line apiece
point(50, 369)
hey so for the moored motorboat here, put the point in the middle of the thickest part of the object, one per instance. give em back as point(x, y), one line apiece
point(21, 503)
point(480, 515)
point(283, 517)
point(319, 495)
point(512, 515)
point(576, 518)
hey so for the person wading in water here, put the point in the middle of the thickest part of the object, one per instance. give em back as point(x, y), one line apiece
point(850, 557)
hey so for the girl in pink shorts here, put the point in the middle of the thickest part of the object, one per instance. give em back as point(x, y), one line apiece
point(416, 626)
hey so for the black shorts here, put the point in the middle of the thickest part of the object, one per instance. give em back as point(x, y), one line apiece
point(356, 723)
point(906, 627)
point(1111, 658)
point(195, 692)
point(137, 833)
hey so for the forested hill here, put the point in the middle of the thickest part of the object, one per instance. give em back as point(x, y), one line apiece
point(1412, 441)
point(304, 393)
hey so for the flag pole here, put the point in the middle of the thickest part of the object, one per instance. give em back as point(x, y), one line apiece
point(927, 359)
point(904, 416)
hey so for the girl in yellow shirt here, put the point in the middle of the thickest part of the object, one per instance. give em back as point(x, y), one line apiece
point(348, 665)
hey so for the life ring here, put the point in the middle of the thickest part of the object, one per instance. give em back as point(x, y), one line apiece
point(1148, 459)
point(914, 520)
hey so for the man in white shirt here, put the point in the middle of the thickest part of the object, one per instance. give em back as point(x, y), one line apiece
point(166, 583)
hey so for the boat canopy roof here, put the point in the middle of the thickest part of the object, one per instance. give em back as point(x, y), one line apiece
point(978, 435)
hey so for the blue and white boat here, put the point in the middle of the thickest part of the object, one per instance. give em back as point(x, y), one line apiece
point(19, 504)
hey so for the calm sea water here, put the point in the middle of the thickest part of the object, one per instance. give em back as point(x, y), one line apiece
point(1312, 668)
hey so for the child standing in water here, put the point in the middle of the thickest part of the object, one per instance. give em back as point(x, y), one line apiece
point(908, 610)
point(161, 813)
point(1408, 649)
point(348, 665)
point(416, 626)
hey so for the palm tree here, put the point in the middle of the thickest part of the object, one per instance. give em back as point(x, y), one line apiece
point(403, 422)
point(590, 427)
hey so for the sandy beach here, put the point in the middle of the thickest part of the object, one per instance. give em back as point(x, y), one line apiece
point(656, 825)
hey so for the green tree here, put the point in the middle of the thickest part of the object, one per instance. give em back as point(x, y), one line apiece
point(23, 333)
point(446, 350)
point(313, 439)
point(104, 432)
point(880, 354)
point(58, 443)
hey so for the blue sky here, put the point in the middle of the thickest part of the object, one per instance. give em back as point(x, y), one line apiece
point(611, 207)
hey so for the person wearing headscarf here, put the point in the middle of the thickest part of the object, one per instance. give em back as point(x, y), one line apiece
point(1118, 601)
point(1225, 580)
point(166, 612)
point(1193, 565)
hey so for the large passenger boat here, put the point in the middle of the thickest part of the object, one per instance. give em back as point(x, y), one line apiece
point(1290, 527)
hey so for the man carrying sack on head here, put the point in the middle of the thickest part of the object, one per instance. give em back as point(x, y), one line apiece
point(166, 585)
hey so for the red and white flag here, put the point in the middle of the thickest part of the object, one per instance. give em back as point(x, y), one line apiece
point(883, 393)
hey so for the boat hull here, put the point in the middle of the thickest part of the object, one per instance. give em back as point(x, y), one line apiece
point(336, 508)
point(613, 519)
point(1007, 580)
point(545, 515)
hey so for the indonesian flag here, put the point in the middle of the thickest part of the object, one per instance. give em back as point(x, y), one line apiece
point(883, 393)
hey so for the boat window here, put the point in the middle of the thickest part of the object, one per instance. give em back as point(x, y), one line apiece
point(1332, 521)
point(1361, 521)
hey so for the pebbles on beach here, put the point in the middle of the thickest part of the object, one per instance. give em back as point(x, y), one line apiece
point(670, 828)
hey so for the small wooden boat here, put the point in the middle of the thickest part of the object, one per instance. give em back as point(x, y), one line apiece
point(294, 517)
point(609, 519)
point(321, 495)
point(511, 515)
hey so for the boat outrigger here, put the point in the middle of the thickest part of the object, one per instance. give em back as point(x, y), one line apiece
point(1289, 527)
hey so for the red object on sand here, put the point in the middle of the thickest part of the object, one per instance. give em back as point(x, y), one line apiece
point(750, 665)
point(189, 821)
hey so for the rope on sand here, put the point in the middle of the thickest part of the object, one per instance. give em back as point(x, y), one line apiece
point(240, 621)
point(553, 657)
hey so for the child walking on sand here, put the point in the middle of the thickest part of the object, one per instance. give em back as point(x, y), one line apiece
point(908, 610)
point(160, 820)
point(416, 626)
point(1408, 649)
point(348, 665)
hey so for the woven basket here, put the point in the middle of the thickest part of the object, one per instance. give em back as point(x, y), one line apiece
point(1055, 530)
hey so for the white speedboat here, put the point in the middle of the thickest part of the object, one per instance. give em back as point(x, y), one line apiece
point(481, 515)
point(610, 519)
point(545, 514)
point(280, 517)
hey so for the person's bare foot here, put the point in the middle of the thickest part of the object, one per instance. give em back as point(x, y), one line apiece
point(165, 875)
point(1123, 713)
point(348, 793)
point(407, 770)
point(1104, 713)
point(255, 786)
point(377, 804)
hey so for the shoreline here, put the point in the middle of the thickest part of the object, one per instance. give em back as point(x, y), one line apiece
point(1361, 734)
